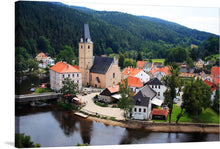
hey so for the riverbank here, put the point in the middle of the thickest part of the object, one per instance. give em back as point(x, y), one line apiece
point(161, 127)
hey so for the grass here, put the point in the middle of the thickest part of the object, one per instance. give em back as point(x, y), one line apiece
point(42, 90)
point(207, 116)
point(158, 60)
point(67, 106)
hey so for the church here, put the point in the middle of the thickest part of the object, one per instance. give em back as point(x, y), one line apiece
point(99, 72)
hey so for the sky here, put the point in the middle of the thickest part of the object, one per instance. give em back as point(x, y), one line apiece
point(195, 14)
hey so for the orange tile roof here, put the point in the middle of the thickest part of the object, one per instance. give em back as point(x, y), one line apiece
point(61, 67)
point(162, 69)
point(134, 82)
point(160, 112)
point(217, 81)
point(140, 64)
point(131, 71)
point(215, 71)
point(114, 89)
point(213, 87)
point(43, 55)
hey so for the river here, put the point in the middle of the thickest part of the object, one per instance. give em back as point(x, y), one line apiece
point(52, 126)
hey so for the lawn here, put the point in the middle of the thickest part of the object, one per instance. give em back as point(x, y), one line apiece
point(158, 60)
point(207, 116)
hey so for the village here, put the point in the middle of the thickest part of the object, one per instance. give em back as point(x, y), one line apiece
point(98, 79)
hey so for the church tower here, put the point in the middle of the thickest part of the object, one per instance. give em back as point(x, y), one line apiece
point(85, 55)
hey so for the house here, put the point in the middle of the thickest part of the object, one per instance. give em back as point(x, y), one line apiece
point(41, 57)
point(159, 113)
point(134, 83)
point(213, 88)
point(140, 64)
point(63, 70)
point(134, 72)
point(107, 95)
point(142, 103)
point(42, 65)
point(50, 61)
point(96, 71)
point(186, 72)
point(157, 65)
point(200, 63)
point(158, 87)
point(215, 74)
point(147, 66)
point(160, 72)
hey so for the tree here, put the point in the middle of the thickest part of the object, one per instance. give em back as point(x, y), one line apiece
point(196, 96)
point(130, 63)
point(67, 54)
point(139, 56)
point(126, 102)
point(32, 64)
point(22, 141)
point(69, 89)
point(190, 62)
point(44, 45)
point(108, 51)
point(171, 82)
point(177, 55)
point(121, 60)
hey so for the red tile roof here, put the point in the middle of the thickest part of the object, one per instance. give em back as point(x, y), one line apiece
point(213, 87)
point(131, 71)
point(114, 89)
point(61, 67)
point(160, 112)
point(215, 71)
point(163, 69)
point(140, 64)
point(134, 82)
point(43, 55)
point(217, 81)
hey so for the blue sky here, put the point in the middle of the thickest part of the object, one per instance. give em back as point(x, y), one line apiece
point(196, 14)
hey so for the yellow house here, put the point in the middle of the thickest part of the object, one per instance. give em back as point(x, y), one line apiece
point(200, 63)
point(41, 57)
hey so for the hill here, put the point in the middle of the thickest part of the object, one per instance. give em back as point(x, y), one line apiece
point(63, 25)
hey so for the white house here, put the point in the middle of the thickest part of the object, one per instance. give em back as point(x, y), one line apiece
point(138, 73)
point(50, 61)
point(158, 87)
point(142, 102)
point(63, 70)
point(134, 83)
point(160, 72)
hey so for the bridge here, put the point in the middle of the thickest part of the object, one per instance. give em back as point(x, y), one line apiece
point(35, 97)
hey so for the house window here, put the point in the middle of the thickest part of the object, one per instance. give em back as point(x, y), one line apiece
point(152, 86)
point(77, 81)
point(88, 46)
point(135, 109)
point(63, 76)
point(73, 75)
point(77, 75)
point(158, 94)
point(144, 110)
point(155, 86)
point(68, 75)
point(139, 109)
point(81, 46)
point(113, 75)
point(159, 86)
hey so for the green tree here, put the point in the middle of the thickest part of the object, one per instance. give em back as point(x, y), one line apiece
point(32, 64)
point(190, 62)
point(67, 54)
point(172, 82)
point(69, 89)
point(126, 102)
point(130, 63)
point(121, 60)
point(44, 45)
point(139, 56)
point(196, 95)
point(177, 55)
point(22, 141)
point(108, 51)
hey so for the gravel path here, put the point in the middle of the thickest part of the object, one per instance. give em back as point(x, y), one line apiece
point(107, 111)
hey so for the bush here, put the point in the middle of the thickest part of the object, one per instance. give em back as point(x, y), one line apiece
point(112, 118)
point(42, 90)
point(22, 141)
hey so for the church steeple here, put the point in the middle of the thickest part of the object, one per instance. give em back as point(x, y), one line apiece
point(85, 55)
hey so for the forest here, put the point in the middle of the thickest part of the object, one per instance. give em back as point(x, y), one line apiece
point(55, 28)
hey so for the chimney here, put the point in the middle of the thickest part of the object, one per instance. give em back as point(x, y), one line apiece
point(68, 65)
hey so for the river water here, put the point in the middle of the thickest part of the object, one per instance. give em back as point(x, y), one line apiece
point(52, 126)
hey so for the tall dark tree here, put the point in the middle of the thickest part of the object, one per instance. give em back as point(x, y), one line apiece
point(66, 54)
point(121, 60)
point(139, 56)
point(172, 82)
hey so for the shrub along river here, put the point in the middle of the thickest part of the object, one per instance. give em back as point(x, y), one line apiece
point(52, 126)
